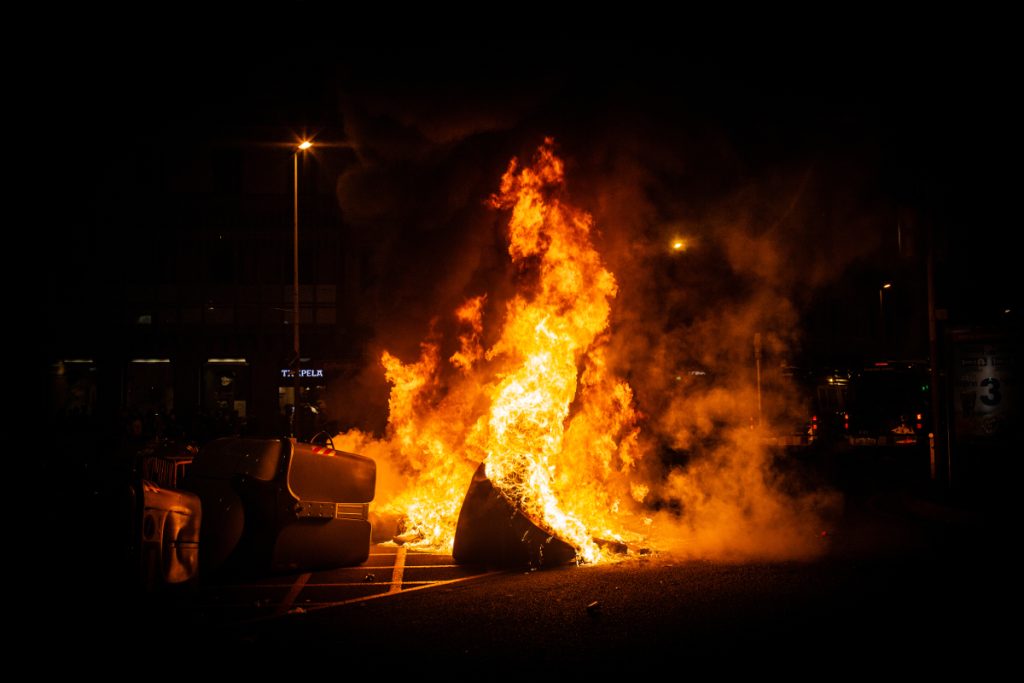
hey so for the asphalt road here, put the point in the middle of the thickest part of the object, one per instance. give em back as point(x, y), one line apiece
point(390, 570)
point(899, 580)
point(895, 584)
point(889, 587)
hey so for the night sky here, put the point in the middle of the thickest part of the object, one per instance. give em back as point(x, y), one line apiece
point(811, 171)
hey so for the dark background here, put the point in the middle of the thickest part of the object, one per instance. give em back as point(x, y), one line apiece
point(832, 159)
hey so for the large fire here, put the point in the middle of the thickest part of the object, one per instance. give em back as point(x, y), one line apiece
point(557, 431)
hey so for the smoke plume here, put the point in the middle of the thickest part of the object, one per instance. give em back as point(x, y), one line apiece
point(759, 228)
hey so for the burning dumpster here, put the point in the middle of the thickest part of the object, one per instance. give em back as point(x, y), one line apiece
point(531, 390)
point(492, 531)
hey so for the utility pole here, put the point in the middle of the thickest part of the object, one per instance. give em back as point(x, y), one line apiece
point(938, 442)
point(757, 362)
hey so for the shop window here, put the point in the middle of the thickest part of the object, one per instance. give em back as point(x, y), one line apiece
point(72, 390)
point(226, 397)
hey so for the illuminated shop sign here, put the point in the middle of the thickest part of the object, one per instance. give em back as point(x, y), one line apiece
point(305, 372)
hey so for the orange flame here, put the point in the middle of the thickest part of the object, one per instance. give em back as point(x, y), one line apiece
point(557, 431)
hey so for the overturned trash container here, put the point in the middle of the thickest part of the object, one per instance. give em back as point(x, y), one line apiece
point(492, 531)
point(168, 535)
point(278, 505)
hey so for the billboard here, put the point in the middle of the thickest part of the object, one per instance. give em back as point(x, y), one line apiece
point(984, 389)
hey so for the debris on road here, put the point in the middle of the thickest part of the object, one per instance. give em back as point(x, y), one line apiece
point(617, 547)
point(408, 537)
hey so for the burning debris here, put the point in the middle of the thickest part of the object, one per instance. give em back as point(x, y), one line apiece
point(530, 403)
point(557, 431)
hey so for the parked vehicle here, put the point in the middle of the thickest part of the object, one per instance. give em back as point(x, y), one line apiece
point(822, 418)
point(888, 405)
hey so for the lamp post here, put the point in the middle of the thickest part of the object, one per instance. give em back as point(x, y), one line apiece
point(297, 361)
point(757, 360)
point(881, 309)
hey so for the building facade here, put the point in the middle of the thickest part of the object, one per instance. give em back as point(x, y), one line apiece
point(174, 298)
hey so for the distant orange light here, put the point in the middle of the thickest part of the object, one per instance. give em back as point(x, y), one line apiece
point(678, 245)
point(305, 144)
point(919, 416)
point(887, 285)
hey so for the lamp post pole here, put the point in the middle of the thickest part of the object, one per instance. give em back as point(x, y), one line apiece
point(882, 327)
point(757, 361)
point(296, 362)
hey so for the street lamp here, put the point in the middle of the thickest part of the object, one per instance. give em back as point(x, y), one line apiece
point(296, 362)
point(881, 308)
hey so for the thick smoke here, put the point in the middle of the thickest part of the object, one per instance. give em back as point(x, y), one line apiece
point(755, 244)
point(762, 226)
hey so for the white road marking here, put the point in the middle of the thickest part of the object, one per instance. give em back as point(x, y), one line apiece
point(398, 572)
point(394, 586)
point(432, 584)
point(411, 566)
point(415, 552)
point(331, 585)
point(293, 593)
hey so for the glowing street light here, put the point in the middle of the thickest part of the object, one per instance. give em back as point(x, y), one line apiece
point(678, 245)
point(296, 362)
point(881, 307)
